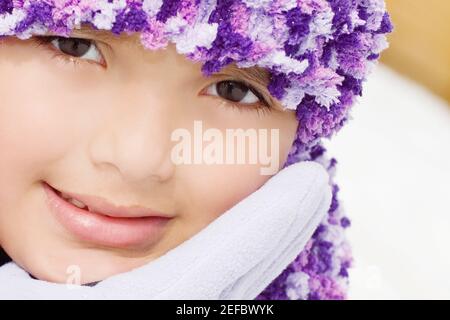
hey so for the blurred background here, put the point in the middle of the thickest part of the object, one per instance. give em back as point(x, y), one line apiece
point(420, 45)
point(394, 162)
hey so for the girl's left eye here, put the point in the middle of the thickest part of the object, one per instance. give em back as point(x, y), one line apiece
point(234, 91)
point(77, 47)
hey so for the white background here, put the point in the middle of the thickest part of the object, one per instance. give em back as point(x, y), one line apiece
point(394, 174)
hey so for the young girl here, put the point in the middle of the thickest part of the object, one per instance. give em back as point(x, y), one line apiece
point(92, 92)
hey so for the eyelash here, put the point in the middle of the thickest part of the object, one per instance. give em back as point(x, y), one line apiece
point(45, 43)
point(262, 108)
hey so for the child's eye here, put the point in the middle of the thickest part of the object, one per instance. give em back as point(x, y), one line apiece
point(234, 91)
point(82, 49)
point(77, 47)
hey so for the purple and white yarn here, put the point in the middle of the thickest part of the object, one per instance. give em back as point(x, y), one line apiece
point(318, 53)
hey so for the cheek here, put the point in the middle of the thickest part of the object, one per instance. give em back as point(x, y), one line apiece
point(40, 114)
point(29, 142)
point(30, 132)
point(228, 186)
point(210, 190)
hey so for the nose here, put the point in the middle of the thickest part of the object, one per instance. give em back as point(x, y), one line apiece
point(134, 140)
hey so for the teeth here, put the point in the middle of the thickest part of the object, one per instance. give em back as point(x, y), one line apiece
point(64, 196)
point(77, 203)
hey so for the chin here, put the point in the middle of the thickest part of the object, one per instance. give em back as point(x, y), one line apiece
point(92, 266)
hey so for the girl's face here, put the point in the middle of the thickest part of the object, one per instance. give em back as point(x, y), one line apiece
point(94, 118)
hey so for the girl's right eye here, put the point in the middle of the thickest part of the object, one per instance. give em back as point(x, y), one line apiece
point(80, 48)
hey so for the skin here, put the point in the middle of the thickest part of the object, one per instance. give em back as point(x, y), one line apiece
point(105, 131)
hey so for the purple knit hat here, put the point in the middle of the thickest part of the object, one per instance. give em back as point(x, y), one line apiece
point(317, 52)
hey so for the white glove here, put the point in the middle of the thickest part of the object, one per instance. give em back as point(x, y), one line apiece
point(235, 257)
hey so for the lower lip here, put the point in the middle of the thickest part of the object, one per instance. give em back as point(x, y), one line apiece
point(104, 230)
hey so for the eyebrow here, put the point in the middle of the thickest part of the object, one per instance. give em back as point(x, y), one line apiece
point(255, 74)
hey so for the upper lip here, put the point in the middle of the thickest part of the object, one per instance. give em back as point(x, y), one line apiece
point(102, 206)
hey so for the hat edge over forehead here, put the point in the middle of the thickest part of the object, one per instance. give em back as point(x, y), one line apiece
point(318, 52)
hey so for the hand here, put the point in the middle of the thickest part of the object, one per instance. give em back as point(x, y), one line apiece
point(235, 257)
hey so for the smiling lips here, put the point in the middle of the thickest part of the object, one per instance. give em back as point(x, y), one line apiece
point(94, 220)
